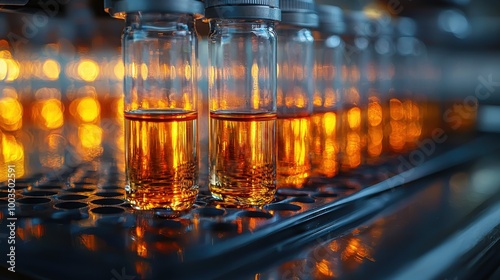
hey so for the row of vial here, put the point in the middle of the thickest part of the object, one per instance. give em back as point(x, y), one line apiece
point(315, 94)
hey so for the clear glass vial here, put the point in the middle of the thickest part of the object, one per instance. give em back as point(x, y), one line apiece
point(159, 54)
point(295, 91)
point(242, 100)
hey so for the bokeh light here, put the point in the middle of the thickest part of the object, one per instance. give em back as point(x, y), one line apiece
point(88, 70)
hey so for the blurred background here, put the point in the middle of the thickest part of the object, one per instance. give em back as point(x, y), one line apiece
point(61, 69)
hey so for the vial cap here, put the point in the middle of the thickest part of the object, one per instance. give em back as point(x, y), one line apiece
point(331, 19)
point(119, 8)
point(357, 23)
point(299, 12)
point(243, 9)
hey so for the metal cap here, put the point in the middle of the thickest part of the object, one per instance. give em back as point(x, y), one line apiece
point(299, 13)
point(243, 9)
point(331, 19)
point(358, 24)
point(118, 8)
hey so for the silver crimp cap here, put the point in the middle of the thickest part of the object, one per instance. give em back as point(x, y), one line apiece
point(299, 12)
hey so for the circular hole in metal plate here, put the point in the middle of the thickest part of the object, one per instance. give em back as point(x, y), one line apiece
point(223, 227)
point(303, 199)
point(289, 192)
point(107, 210)
point(109, 194)
point(325, 194)
point(4, 194)
point(112, 187)
point(33, 200)
point(209, 212)
point(70, 205)
point(255, 214)
point(79, 190)
point(72, 197)
point(108, 201)
point(283, 207)
point(49, 187)
point(39, 193)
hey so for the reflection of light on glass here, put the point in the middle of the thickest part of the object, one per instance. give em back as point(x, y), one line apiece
point(9, 68)
point(12, 152)
point(11, 112)
point(30, 230)
point(51, 112)
point(53, 156)
point(255, 90)
point(89, 241)
point(293, 164)
point(88, 109)
point(397, 137)
point(119, 70)
point(375, 129)
point(356, 250)
point(88, 70)
point(51, 69)
point(324, 150)
point(3, 69)
point(90, 135)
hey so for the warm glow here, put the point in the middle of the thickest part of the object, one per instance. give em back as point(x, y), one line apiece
point(324, 144)
point(51, 69)
point(354, 117)
point(374, 114)
point(90, 135)
point(3, 69)
point(88, 70)
point(255, 89)
point(11, 112)
point(144, 71)
point(324, 268)
point(12, 152)
point(88, 109)
point(51, 112)
point(12, 70)
point(119, 70)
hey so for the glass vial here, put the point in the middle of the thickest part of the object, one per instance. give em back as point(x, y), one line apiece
point(329, 73)
point(359, 77)
point(159, 54)
point(242, 100)
point(295, 91)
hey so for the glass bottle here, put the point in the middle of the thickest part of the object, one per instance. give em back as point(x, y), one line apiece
point(242, 100)
point(295, 90)
point(160, 104)
point(329, 72)
point(358, 52)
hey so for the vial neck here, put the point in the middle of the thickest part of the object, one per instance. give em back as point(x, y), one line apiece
point(159, 21)
point(240, 25)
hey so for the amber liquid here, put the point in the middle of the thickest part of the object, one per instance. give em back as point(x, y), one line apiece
point(242, 158)
point(325, 144)
point(353, 139)
point(375, 130)
point(397, 126)
point(161, 159)
point(294, 163)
